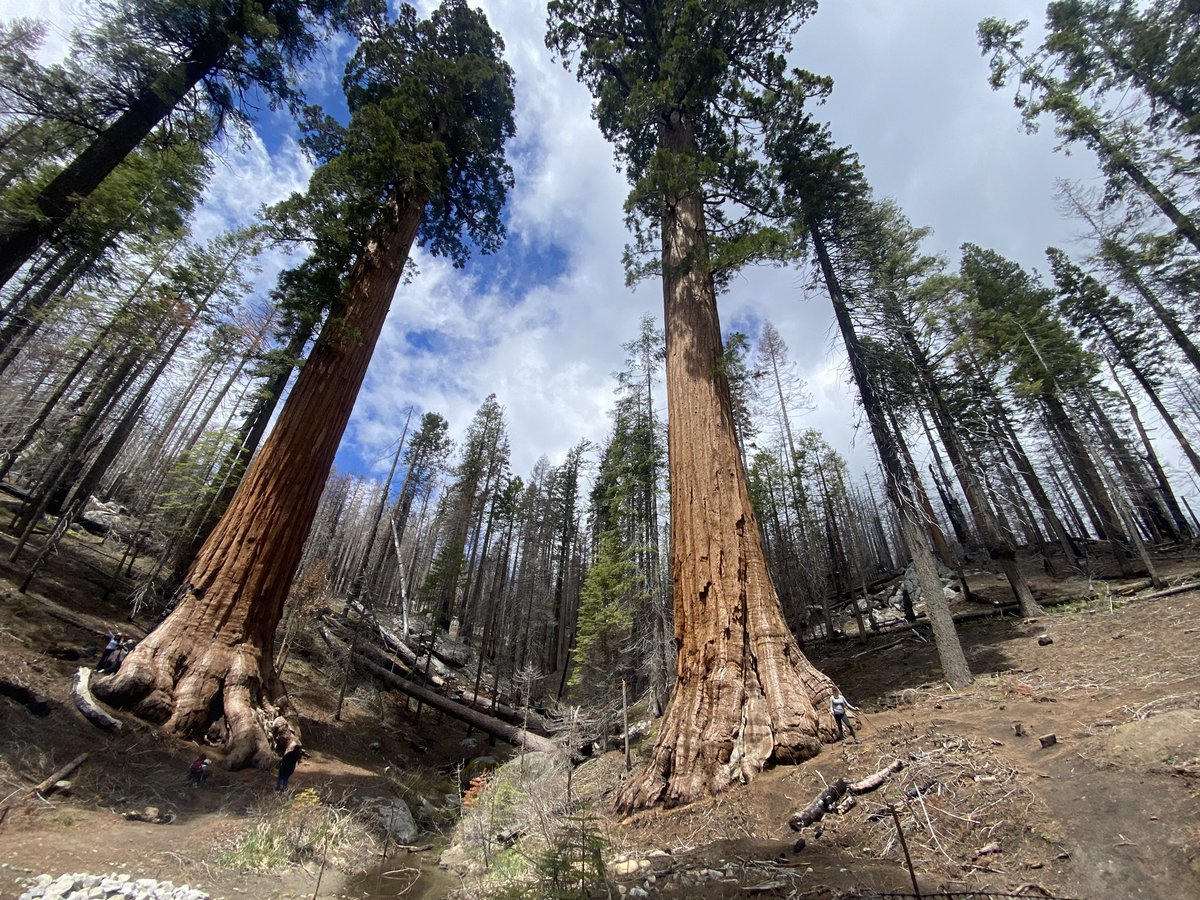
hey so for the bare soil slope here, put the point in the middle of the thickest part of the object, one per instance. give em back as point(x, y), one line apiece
point(1108, 810)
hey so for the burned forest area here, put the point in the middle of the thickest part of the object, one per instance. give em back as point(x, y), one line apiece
point(362, 535)
point(1068, 768)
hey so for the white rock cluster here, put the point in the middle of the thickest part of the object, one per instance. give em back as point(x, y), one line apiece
point(106, 887)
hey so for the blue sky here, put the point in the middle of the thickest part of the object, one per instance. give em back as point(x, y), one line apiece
point(541, 324)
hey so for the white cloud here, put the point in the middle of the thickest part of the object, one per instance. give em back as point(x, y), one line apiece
point(911, 97)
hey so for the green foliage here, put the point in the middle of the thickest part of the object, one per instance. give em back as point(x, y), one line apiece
point(301, 829)
point(611, 591)
point(430, 112)
point(710, 70)
point(571, 868)
point(138, 41)
point(1101, 316)
point(1119, 77)
point(1014, 319)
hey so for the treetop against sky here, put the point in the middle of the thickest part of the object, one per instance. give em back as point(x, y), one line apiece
point(541, 322)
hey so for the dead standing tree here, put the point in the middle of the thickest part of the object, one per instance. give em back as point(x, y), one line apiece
point(431, 110)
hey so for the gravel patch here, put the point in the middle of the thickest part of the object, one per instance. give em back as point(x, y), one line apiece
point(103, 887)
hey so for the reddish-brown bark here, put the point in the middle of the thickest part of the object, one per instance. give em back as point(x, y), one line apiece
point(212, 656)
point(745, 696)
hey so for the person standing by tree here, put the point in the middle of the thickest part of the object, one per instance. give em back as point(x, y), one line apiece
point(287, 765)
point(839, 705)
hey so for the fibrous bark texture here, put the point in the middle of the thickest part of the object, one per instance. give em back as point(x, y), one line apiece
point(745, 696)
point(209, 664)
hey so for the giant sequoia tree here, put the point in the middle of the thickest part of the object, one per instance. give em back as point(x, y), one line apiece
point(677, 86)
point(430, 110)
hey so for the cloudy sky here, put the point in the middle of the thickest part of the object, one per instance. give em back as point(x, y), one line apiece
point(541, 325)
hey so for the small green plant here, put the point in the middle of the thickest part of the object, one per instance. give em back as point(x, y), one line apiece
point(301, 828)
point(571, 868)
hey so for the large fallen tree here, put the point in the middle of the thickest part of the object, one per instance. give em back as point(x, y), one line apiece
point(519, 737)
point(528, 720)
point(400, 659)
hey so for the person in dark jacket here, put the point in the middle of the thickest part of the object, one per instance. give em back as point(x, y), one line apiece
point(199, 770)
point(287, 766)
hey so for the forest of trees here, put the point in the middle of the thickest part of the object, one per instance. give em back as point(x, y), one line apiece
point(1024, 419)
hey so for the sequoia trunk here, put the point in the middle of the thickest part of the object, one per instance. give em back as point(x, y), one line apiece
point(744, 696)
point(212, 656)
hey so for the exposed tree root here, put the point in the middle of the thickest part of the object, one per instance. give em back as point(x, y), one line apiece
point(702, 750)
point(225, 693)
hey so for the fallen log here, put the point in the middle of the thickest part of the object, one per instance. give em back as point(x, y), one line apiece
point(874, 782)
point(1169, 592)
point(26, 696)
point(528, 720)
point(816, 810)
point(487, 724)
point(832, 795)
point(45, 786)
point(81, 693)
point(440, 680)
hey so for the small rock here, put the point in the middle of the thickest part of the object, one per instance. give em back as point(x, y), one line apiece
point(397, 820)
point(637, 892)
point(1045, 640)
point(1048, 740)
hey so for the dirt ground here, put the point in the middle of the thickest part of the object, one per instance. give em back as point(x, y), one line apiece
point(1108, 810)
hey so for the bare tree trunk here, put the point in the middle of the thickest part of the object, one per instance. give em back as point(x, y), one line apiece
point(744, 695)
point(211, 658)
point(899, 490)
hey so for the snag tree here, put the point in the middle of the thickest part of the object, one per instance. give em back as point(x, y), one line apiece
point(678, 85)
point(423, 155)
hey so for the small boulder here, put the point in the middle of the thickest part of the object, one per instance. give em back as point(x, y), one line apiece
point(397, 820)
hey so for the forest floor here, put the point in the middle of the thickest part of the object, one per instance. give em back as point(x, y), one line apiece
point(1110, 810)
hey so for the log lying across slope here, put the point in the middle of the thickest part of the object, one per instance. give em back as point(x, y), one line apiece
point(519, 737)
point(400, 659)
point(379, 664)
